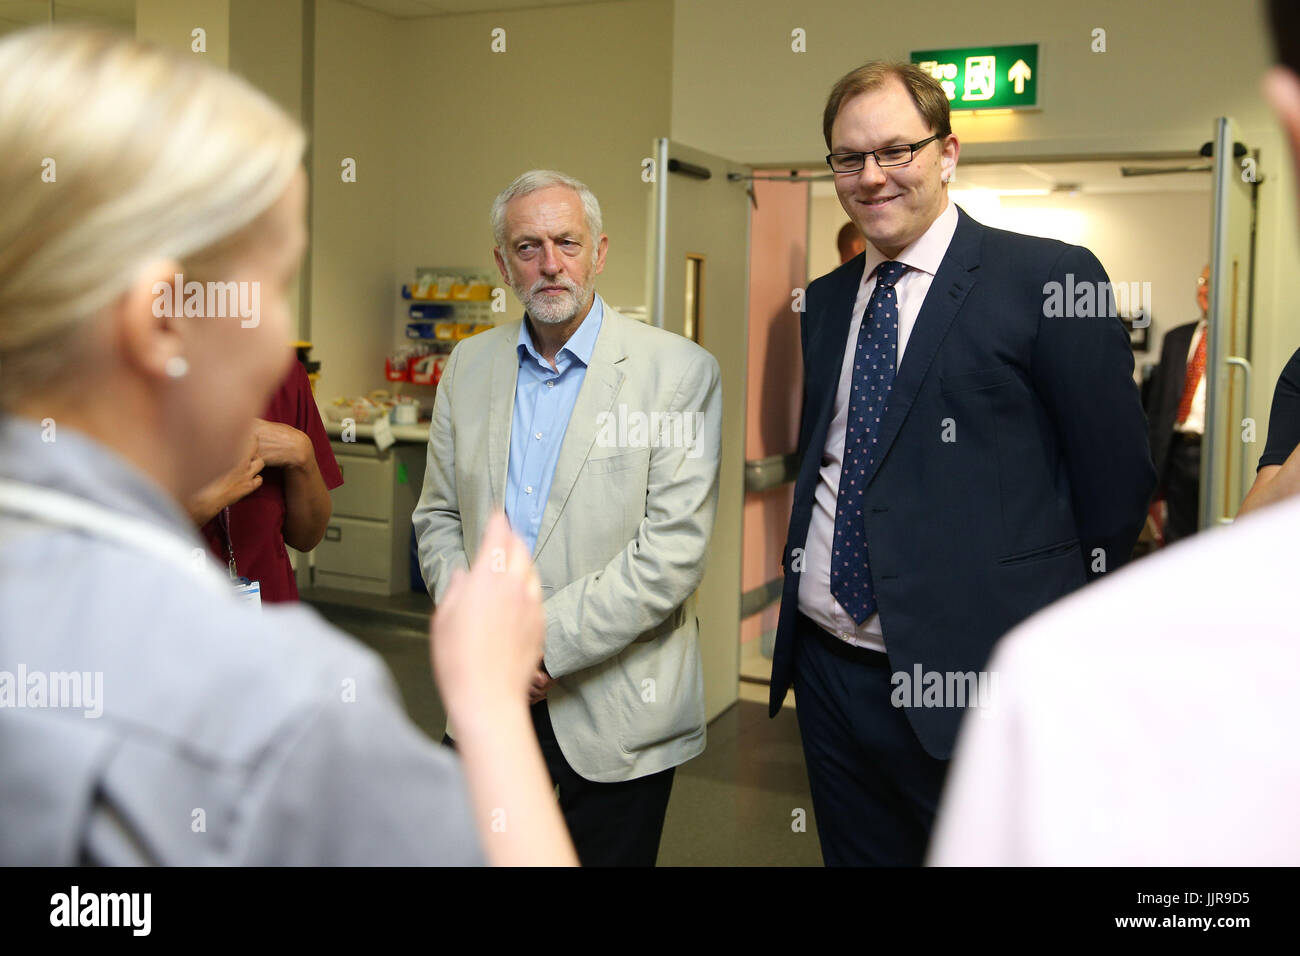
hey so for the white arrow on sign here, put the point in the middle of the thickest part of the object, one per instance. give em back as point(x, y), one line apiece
point(1018, 73)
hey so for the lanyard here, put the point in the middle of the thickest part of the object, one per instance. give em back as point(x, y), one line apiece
point(68, 511)
point(224, 523)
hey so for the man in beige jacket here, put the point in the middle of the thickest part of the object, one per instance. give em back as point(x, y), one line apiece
point(599, 436)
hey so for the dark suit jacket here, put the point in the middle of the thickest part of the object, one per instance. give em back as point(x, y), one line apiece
point(1166, 392)
point(966, 538)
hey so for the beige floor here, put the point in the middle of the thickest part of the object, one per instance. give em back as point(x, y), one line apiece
point(743, 802)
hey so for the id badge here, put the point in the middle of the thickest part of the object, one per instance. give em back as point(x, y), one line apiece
point(250, 592)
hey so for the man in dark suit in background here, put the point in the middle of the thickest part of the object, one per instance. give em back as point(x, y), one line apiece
point(1176, 411)
point(973, 447)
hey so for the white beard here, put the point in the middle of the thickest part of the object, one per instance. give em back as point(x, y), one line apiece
point(553, 310)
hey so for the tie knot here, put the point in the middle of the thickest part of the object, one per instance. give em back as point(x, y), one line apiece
point(889, 272)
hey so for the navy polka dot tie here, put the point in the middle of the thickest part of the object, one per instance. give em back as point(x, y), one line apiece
point(873, 375)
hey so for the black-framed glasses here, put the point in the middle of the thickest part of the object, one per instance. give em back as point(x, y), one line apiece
point(899, 155)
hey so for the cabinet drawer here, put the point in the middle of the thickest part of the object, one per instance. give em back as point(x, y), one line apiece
point(367, 489)
point(356, 547)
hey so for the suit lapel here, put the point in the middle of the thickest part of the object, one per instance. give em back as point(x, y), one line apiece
point(952, 283)
point(600, 386)
point(826, 366)
point(501, 412)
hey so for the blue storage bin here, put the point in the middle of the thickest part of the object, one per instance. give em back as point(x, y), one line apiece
point(428, 310)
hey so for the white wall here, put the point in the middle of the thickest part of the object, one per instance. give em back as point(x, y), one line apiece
point(825, 219)
point(171, 23)
point(583, 89)
point(439, 124)
point(1160, 238)
point(1170, 66)
point(358, 115)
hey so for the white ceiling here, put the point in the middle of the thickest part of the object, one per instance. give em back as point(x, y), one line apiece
point(1089, 177)
point(20, 13)
point(1095, 177)
point(405, 9)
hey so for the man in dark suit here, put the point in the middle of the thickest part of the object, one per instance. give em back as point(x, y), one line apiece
point(1176, 411)
point(972, 448)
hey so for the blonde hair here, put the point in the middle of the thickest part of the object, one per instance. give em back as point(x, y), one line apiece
point(114, 154)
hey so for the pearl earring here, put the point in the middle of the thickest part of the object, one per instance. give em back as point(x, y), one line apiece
point(177, 367)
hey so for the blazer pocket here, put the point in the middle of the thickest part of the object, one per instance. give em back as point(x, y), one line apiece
point(1041, 554)
point(982, 378)
point(616, 463)
point(664, 696)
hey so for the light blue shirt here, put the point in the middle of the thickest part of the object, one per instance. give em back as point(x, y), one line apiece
point(544, 400)
point(311, 763)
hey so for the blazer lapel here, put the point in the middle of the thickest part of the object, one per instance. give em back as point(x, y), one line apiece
point(952, 283)
point(501, 412)
point(600, 386)
point(826, 365)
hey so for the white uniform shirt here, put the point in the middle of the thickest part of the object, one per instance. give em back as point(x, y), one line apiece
point(1147, 720)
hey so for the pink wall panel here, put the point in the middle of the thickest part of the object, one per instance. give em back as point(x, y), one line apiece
point(777, 266)
point(778, 255)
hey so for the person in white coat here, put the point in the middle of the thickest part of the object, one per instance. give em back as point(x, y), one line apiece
point(1149, 719)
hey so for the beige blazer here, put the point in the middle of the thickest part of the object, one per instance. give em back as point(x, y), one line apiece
point(623, 537)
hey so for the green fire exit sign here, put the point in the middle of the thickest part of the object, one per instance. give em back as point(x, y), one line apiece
point(985, 77)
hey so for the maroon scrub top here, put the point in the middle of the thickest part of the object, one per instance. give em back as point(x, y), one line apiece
point(257, 521)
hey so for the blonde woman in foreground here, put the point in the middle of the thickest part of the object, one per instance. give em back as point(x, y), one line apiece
point(150, 716)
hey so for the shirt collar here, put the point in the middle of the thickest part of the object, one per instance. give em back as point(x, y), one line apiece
point(926, 252)
point(581, 343)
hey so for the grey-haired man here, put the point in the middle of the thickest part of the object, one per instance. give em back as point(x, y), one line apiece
point(599, 436)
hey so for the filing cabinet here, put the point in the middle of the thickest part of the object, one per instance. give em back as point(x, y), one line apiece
point(367, 542)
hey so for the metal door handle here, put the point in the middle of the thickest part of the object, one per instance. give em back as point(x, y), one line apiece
point(1244, 365)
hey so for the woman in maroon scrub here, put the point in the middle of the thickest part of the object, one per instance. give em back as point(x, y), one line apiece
point(278, 494)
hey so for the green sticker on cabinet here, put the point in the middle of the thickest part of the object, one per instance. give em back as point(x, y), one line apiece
point(401, 473)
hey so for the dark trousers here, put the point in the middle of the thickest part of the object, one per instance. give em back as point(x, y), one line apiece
point(874, 788)
point(611, 824)
point(1182, 487)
